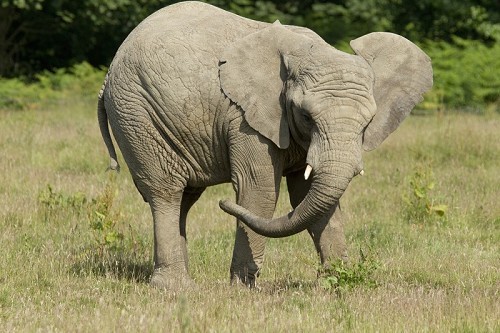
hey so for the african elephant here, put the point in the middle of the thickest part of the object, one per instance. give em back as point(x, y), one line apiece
point(197, 96)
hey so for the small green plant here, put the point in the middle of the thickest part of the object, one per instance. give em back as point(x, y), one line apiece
point(103, 221)
point(341, 276)
point(52, 202)
point(111, 250)
point(420, 206)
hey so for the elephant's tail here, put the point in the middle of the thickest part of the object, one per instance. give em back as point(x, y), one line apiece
point(102, 116)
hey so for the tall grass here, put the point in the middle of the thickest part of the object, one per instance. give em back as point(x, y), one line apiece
point(76, 242)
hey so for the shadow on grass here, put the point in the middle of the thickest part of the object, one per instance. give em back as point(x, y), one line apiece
point(287, 285)
point(121, 266)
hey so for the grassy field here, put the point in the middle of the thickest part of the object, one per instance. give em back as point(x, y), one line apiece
point(76, 242)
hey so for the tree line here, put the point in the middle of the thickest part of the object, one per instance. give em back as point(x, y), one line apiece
point(45, 34)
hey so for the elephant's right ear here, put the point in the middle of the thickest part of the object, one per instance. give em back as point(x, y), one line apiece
point(252, 73)
point(403, 73)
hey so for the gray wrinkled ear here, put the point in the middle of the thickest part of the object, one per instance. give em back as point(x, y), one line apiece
point(252, 74)
point(403, 73)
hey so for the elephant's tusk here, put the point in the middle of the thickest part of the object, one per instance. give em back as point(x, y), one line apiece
point(307, 172)
point(362, 172)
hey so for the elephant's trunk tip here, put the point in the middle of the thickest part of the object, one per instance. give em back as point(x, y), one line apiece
point(230, 207)
point(224, 205)
point(236, 210)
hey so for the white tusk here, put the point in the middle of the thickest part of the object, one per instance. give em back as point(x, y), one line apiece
point(362, 172)
point(308, 171)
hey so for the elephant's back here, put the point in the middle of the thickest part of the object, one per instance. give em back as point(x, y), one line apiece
point(174, 53)
point(189, 29)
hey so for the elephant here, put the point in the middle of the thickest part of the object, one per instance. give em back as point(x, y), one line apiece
point(197, 96)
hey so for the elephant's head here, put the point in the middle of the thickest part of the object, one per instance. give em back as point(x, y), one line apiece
point(293, 85)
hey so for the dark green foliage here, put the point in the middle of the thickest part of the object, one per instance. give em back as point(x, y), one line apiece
point(39, 36)
point(81, 81)
point(42, 34)
point(441, 20)
point(466, 73)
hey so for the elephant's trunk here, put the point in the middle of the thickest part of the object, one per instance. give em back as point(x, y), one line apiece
point(331, 176)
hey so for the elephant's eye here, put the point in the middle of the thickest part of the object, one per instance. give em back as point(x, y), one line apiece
point(307, 118)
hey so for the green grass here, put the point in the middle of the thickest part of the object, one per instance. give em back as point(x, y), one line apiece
point(60, 270)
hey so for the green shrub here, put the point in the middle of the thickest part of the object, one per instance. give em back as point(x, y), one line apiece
point(104, 222)
point(18, 95)
point(52, 202)
point(81, 81)
point(466, 75)
point(114, 249)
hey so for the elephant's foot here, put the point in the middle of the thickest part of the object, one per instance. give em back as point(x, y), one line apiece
point(335, 258)
point(329, 265)
point(243, 278)
point(172, 281)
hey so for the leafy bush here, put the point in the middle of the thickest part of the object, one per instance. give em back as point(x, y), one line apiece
point(81, 81)
point(103, 222)
point(51, 202)
point(18, 95)
point(466, 74)
point(114, 249)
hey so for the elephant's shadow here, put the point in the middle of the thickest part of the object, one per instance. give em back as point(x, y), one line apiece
point(120, 266)
point(287, 284)
point(123, 266)
point(117, 265)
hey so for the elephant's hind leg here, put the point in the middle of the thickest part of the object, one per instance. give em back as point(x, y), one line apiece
point(169, 206)
point(170, 253)
point(160, 176)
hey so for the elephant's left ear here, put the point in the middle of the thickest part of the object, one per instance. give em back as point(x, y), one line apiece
point(251, 73)
point(403, 73)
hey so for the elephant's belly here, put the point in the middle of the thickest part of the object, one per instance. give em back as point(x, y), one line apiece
point(200, 142)
point(208, 167)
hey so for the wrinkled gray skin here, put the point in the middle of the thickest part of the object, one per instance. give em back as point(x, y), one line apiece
point(197, 96)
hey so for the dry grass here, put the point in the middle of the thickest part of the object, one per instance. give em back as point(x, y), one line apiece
point(434, 275)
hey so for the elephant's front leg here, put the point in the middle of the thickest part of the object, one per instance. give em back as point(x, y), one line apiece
point(256, 175)
point(328, 233)
point(329, 238)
